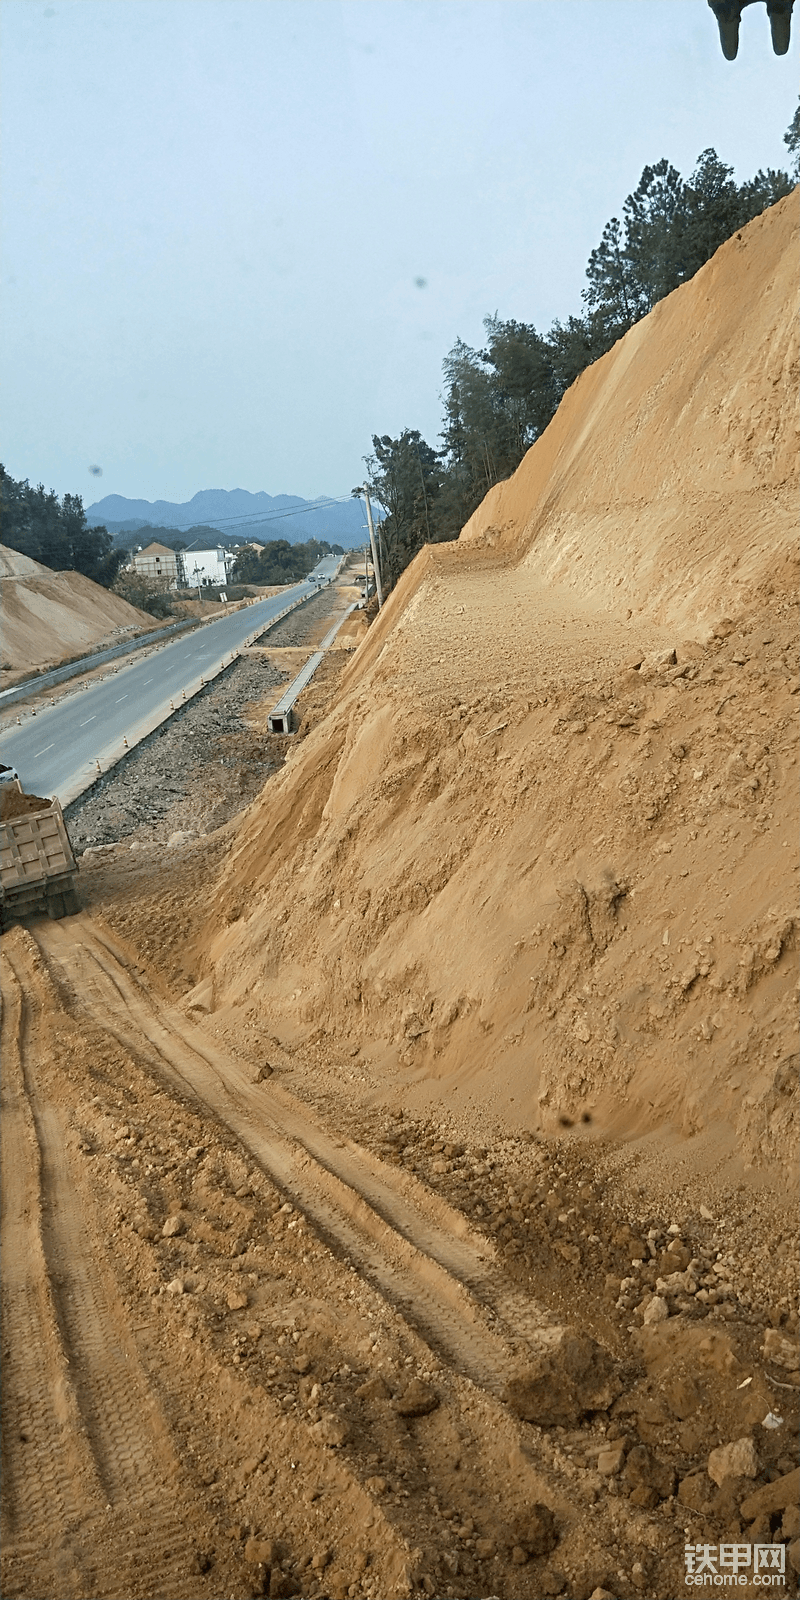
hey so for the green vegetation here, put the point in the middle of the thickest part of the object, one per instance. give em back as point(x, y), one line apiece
point(406, 476)
point(54, 532)
point(498, 400)
point(281, 562)
point(149, 594)
point(791, 139)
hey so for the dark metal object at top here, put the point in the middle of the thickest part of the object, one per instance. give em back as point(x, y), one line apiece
point(729, 12)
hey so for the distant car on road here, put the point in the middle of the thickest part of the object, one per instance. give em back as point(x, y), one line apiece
point(8, 774)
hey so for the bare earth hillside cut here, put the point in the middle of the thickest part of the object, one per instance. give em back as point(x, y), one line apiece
point(397, 1149)
point(49, 617)
point(667, 483)
point(539, 862)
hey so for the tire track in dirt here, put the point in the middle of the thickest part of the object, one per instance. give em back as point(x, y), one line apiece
point(405, 1240)
point(107, 1401)
point(46, 1473)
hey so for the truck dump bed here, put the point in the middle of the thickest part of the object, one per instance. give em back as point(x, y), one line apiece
point(37, 866)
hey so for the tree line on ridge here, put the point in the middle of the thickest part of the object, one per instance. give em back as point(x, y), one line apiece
point(498, 400)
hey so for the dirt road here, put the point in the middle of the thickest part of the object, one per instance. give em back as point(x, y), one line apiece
point(115, 1320)
point(244, 1354)
point(259, 1327)
point(418, 1251)
point(94, 1493)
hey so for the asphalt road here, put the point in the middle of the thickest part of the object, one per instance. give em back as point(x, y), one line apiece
point(57, 751)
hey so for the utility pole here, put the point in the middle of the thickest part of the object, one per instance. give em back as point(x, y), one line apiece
point(375, 562)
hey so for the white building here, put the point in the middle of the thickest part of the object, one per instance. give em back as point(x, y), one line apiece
point(207, 566)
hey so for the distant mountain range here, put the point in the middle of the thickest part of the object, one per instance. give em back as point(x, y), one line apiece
point(239, 515)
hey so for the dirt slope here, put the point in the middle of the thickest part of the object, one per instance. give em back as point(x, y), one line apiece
point(667, 482)
point(307, 1287)
point(251, 1350)
point(537, 861)
point(50, 617)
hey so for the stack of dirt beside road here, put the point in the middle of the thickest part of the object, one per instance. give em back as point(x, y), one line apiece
point(538, 855)
point(50, 617)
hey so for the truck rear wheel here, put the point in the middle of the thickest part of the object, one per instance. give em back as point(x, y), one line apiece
point(55, 906)
point(72, 904)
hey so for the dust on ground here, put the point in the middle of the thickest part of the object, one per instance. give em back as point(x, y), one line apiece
point(316, 1350)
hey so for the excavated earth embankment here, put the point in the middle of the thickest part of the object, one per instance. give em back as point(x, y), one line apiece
point(395, 1179)
point(50, 617)
point(541, 855)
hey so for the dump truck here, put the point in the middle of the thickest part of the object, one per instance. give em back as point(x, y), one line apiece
point(37, 867)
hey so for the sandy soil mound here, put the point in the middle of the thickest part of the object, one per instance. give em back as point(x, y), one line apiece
point(13, 803)
point(49, 617)
point(537, 860)
point(666, 485)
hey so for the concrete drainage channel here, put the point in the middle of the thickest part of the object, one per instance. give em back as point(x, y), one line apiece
point(280, 717)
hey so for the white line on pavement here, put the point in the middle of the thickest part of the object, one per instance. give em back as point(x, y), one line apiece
point(43, 752)
point(88, 720)
point(121, 698)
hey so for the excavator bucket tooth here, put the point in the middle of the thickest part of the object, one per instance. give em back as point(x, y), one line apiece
point(780, 21)
point(729, 39)
point(728, 14)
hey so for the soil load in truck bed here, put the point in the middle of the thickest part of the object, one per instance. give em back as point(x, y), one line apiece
point(37, 866)
point(13, 803)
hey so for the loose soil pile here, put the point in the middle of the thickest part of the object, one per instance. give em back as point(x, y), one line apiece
point(666, 485)
point(397, 1181)
point(13, 803)
point(50, 617)
point(541, 852)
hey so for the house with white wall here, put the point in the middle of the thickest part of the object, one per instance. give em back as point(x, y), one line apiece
point(207, 567)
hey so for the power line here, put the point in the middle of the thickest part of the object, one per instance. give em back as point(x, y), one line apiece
point(272, 516)
point(243, 519)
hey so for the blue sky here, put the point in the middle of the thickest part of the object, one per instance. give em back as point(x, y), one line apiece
point(216, 213)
